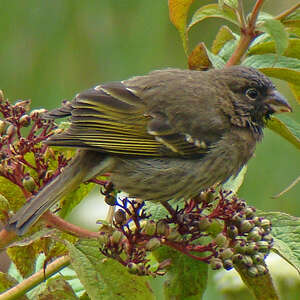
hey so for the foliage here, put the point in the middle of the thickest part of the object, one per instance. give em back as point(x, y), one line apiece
point(217, 229)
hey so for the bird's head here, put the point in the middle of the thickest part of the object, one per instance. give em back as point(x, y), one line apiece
point(255, 94)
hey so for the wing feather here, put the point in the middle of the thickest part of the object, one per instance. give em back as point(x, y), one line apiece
point(111, 118)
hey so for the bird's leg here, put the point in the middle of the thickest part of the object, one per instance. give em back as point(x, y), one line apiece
point(110, 199)
point(170, 209)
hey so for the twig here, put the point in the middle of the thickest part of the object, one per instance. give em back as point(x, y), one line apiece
point(57, 222)
point(29, 283)
point(288, 188)
point(287, 12)
point(247, 35)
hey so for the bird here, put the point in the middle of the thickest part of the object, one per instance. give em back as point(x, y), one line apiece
point(166, 135)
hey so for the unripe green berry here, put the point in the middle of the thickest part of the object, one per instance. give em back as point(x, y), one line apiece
point(174, 235)
point(232, 231)
point(207, 196)
point(238, 217)
point(246, 226)
point(227, 264)
point(103, 239)
point(249, 212)
point(256, 221)
point(226, 253)
point(263, 246)
point(25, 120)
point(116, 237)
point(239, 246)
point(162, 227)
point(247, 260)
point(10, 131)
point(258, 258)
point(29, 183)
point(268, 238)
point(133, 268)
point(216, 263)
point(153, 244)
point(2, 126)
point(252, 271)
point(37, 112)
point(251, 248)
point(262, 269)
point(237, 258)
point(149, 227)
point(265, 223)
point(255, 234)
point(220, 240)
point(204, 224)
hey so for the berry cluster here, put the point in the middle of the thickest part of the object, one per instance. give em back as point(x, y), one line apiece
point(236, 235)
point(24, 159)
point(247, 240)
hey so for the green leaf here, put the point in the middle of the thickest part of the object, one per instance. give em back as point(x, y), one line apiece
point(272, 61)
point(74, 198)
point(296, 91)
point(57, 289)
point(284, 68)
point(286, 231)
point(294, 31)
point(24, 259)
point(262, 286)
point(287, 128)
point(213, 11)
point(231, 3)
point(228, 49)
point(178, 11)
point(293, 49)
point(12, 193)
point(186, 277)
point(7, 282)
point(293, 19)
point(105, 278)
point(217, 61)
point(277, 31)
point(235, 182)
point(223, 36)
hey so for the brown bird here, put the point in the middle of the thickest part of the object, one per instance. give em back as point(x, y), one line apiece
point(166, 135)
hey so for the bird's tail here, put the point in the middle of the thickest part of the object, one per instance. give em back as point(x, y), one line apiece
point(85, 165)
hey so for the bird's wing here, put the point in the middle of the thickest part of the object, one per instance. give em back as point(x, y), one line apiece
point(110, 118)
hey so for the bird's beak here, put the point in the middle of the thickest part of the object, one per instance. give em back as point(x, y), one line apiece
point(277, 103)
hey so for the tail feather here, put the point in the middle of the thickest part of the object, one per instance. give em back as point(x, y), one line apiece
point(85, 165)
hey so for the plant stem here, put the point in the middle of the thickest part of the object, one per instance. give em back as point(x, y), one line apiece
point(57, 222)
point(288, 12)
point(247, 35)
point(29, 283)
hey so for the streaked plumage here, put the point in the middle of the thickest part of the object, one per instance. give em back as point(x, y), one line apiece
point(166, 135)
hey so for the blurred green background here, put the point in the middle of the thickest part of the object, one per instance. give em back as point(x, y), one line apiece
point(52, 49)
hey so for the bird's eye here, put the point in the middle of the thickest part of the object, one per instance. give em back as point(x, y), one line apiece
point(252, 93)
